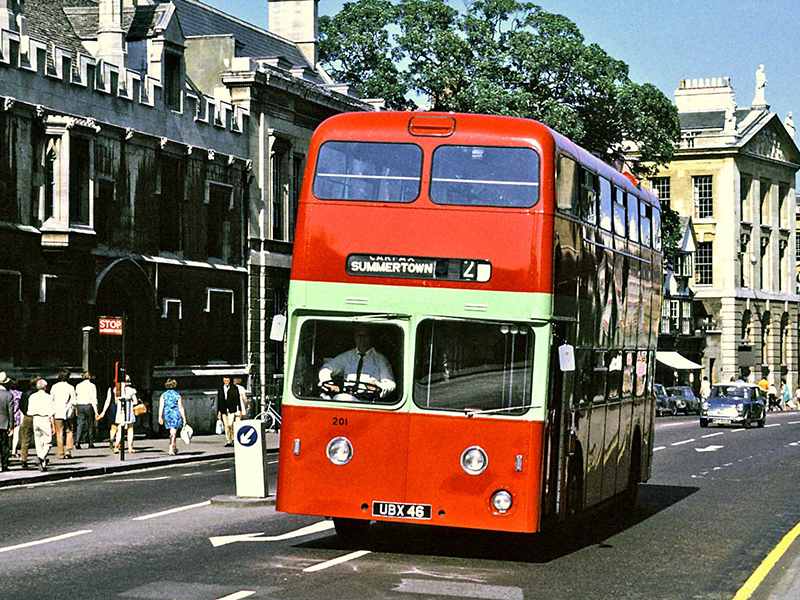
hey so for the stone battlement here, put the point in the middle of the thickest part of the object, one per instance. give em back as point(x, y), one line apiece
point(31, 72)
point(712, 82)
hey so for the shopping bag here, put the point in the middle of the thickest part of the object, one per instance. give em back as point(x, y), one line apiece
point(186, 433)
point(220, 427)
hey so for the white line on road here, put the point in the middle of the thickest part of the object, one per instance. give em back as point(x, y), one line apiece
point(793, 423)
point(272, 462)
point(676, 424)
point(773, 425)
point(659, 448)
point(222, 540)
point(45, 541)
point(172, 510)
point(238, 595)
point(223, 470)
point(683, 442)
point(737, 430)
point(713, 434)
point(190, 474)
point(336, 561)
point(139, 479)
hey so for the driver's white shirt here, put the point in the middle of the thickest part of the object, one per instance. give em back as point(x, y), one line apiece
point(375, 369)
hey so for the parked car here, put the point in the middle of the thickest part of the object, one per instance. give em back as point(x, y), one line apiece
point(734, 403)
point(684, 399)
point(663, 404)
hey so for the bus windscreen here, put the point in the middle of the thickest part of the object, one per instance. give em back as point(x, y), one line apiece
point(473, 366)
point(368, 171)
point(485, 176)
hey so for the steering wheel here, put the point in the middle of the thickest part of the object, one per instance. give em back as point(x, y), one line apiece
point(364, 390)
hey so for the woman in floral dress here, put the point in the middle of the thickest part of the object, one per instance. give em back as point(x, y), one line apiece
point(171, 414)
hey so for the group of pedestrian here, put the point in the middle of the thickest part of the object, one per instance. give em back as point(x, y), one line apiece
point(780, 399)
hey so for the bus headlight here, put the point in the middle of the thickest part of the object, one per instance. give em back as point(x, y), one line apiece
point(501, 500)
point(339, 451)
point(705, 405)
point(740, 407)
point(474, 460)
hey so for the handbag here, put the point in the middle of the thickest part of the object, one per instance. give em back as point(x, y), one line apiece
point(220, 427)
point(139, 409)
point(186, 433)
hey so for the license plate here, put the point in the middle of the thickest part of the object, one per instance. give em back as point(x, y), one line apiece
point(401, 510)
point(721, 421)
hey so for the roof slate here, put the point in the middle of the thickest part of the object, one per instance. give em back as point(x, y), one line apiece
point(709, 119)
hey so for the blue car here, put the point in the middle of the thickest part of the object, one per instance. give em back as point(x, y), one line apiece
point(734, 404)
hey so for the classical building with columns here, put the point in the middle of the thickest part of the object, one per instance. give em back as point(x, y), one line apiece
point(734, 174)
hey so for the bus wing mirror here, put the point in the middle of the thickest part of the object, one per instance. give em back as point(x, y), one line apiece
point(278, 330)
point(566, 357)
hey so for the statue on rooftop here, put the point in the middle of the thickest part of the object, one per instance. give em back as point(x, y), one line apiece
point(761, 83)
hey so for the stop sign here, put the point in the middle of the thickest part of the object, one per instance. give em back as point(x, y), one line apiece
point(110, 325)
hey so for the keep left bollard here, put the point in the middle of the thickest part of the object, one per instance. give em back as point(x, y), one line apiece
point(250, 456)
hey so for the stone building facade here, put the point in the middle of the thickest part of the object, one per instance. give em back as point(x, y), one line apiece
point(734, 174)
point(152, 159)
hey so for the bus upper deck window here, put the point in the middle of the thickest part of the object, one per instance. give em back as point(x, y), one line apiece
point(485, 176)
point(368, 171)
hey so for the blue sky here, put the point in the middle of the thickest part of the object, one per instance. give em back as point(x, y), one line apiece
point(664, 41)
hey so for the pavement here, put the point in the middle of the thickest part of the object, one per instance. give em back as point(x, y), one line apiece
point(101, 460)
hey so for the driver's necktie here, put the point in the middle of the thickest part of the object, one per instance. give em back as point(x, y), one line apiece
point(359, 367)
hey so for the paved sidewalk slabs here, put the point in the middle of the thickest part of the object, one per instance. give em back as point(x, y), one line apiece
point(102, 460)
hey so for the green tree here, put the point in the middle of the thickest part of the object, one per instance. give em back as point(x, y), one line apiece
point(500, 57)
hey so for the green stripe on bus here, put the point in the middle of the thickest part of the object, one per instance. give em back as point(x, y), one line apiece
point(315, 299)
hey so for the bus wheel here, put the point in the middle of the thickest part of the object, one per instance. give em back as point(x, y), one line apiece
point(574, 488)
point(631, 493)
point(350, 530)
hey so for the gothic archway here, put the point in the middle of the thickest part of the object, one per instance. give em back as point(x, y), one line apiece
point(124, 289)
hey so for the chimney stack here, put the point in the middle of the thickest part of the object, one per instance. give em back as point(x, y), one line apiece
point(296, 20)
point(110, 34)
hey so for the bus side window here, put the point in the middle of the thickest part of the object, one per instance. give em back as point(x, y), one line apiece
point(644, 223)
point(641, 372)
point(633, 217)
point(627, 375)
point(567, 185)
point(589, 197)
point(614, 359)
point(599, 375)
point(656, 229)
point(605, 204)
point(619, 212)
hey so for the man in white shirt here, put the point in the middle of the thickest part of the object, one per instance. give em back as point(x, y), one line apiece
point(40, 408)
point(64, 413)
point(86, 400)
point(361, 367)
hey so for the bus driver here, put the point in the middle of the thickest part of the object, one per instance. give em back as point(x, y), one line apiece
point(361, 364)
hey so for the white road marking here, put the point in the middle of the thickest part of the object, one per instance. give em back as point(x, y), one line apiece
point(793, 423)
point(459, 589)
point(46, 540)
point(659, 448)
point(336, 561)
point(238, 595)
point(738, 430)
point(172, 510)
point(713, 434)
point(272, 462)
point(223, 470)
point(253, 537)
point(139, 479)
point(191, 474)
point(675, 424)
point(683, 442)
point(773, 425)
point(711, 448)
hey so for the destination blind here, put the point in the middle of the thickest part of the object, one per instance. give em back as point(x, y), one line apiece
point(418, 267)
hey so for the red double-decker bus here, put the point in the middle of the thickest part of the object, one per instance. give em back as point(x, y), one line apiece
point(472, 320)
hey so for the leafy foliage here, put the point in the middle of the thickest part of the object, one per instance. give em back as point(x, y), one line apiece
point(505, 57)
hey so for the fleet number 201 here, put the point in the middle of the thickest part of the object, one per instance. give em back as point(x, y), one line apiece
point(340, 420)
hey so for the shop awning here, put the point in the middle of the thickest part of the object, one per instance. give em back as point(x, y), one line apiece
point(676, 361)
